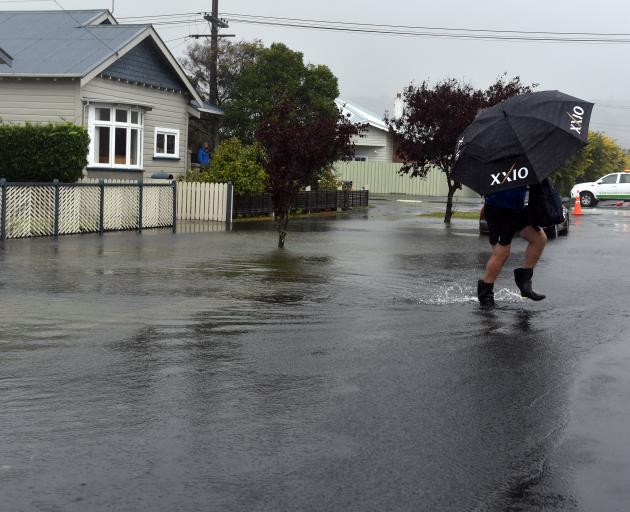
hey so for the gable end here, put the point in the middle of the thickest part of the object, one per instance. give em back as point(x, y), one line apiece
point(144, 64)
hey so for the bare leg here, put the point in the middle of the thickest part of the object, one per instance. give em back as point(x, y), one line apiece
point(500, 254)
point(537, 241)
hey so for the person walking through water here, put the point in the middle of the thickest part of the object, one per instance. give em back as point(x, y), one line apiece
point(506, 214)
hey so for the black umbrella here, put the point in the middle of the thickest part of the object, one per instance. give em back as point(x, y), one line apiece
point(521, 141)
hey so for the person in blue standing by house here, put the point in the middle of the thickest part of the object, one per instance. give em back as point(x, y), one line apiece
point(203, 154)
point(506, 215)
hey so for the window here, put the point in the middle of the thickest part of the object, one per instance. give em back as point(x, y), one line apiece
point(166, 143)
point(116, 137)
point(609, 180)
point(624, 178)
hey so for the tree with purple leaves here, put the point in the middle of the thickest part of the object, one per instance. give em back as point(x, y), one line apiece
point(435, 116)
point(299, 142)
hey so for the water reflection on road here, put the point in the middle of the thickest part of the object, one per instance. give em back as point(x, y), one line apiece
point(352, 371)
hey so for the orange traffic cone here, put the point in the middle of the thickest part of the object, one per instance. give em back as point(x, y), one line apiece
point(577, 207)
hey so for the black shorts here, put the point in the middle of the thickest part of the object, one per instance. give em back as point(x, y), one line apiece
point(504, 222)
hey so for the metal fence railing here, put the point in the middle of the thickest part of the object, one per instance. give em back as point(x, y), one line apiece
point(51, 209)
point(313, 201)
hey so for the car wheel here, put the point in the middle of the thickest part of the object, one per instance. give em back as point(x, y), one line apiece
point(551, 232)
point(565, 229)
point(587, 200)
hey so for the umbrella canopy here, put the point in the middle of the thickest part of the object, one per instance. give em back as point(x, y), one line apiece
point(521, 141)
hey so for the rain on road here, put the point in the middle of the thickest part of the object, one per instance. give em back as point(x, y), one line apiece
point(352, 371)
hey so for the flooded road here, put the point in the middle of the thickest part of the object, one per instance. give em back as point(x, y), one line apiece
point(352, 371)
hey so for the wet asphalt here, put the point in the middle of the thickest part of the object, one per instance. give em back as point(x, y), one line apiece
point(353, 371)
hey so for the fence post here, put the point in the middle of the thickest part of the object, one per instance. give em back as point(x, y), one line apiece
point(3, 212)
point(101, 219)
point(174, 186)
point(140, 200)
point(229, 207)
point(56, 224)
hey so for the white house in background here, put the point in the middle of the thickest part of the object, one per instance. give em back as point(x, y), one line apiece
point(377, 143)
point(119, 81)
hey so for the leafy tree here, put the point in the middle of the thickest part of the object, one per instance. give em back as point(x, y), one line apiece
point(232, 58)
point(435, 116)
point(236, 162)
point(277, 71)
point(299, 141)
point(601, 156)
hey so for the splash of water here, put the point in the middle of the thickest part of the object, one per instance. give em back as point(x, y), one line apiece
point(460, 294)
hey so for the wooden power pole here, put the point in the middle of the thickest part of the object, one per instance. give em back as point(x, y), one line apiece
point(216, 23)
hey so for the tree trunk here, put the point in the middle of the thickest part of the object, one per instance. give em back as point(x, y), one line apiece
point(449, 205)
point(282, 220)
point(453, 186)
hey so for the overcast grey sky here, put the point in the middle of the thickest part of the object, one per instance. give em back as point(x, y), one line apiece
point(372, 68)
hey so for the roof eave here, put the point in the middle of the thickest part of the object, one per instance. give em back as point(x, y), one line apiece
point(101, 17)
point(41, 75)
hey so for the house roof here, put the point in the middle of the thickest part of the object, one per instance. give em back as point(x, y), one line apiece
point(60, 43)
point(206, 107)
point(359, 115)
point(5, 58)
point(73, 44)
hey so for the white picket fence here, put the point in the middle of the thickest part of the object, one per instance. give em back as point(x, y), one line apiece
point(204, 201)
point(195, 201)
point(52, 209)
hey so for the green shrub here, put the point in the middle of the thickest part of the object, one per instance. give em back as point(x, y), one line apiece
point(236, 162)
point(35, 152)
point(327, 179)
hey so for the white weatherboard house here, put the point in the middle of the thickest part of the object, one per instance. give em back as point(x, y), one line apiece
point(377, 143)
point(120, 81)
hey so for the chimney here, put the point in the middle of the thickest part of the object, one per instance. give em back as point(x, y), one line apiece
point(398, 107)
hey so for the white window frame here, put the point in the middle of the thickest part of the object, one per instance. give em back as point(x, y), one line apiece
point(112, 124)
point(166, 132)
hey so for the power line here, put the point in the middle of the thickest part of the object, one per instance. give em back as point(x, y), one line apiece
point(176, 39)
point(84, 27)
point(439, 35)
point(308, 23)
point(421, 27)
point(156, 16)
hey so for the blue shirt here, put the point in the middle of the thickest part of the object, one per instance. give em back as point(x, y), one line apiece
point(203, 156)
point(513, 198)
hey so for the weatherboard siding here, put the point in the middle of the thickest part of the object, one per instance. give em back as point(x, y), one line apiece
point(40, 101)
point(375, 145)
point(169, 110)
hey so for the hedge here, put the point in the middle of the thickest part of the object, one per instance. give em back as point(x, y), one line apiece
point(43, 152)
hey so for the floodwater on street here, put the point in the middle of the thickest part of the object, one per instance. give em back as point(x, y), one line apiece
point(353, 371)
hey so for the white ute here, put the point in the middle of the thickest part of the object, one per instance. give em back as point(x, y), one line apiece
point(615, 186)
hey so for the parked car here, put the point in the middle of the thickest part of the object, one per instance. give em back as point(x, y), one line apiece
point(612, 186)
point(561, 229)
